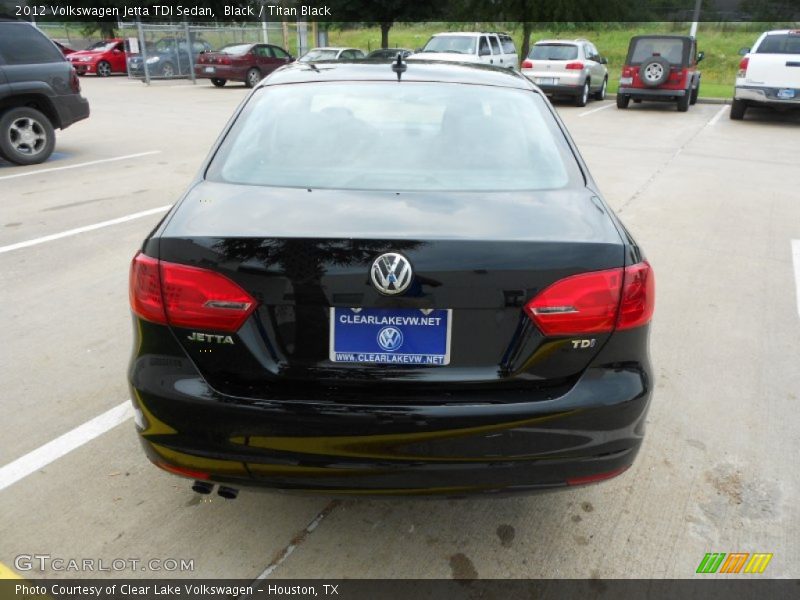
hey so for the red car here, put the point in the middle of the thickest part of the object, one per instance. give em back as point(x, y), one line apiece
point(241, 62)
point(102, 58)
point(64, 49)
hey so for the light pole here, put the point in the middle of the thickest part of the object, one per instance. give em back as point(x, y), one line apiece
point(693, 30)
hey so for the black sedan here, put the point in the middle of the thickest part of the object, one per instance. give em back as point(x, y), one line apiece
point(469, 318)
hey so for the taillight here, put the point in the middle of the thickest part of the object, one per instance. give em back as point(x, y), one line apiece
point(585, 303)
point(575, 66)
point(225, 61)
point(183, 296)
point(527, 64)
point(74, 81)
point(743, 66)
point(638, 296)
point(595, 302)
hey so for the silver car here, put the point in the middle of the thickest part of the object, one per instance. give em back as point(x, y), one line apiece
point(568, 67)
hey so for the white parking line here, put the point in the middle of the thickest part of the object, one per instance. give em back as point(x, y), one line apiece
point(796, 261)
point(84, 229)
point(598, 109)
point(718, 116)
point(51, 451)
point(86, 164)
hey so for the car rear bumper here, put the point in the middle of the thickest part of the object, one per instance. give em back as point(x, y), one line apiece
point(561, 89)
point(651, 93)
point(506, 442)
point(71, 108)
point(219, 72)
point(766, 96)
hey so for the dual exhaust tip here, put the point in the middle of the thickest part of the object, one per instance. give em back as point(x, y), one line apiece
point(204, 487)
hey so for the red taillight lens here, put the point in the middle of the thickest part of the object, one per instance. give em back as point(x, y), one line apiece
point(575, 66)
point(743, 66)
point(627, 72)
point(145, 289)
point(74, 81)
point(638, 296)
point(189, 297)
point(225, 61)
point(527, 64)
point(595, 302)
point(585, 303)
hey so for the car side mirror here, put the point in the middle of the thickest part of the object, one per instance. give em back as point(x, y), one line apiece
point(744, 51)
point(700, 56)
point(603, 60)
point(418, 50)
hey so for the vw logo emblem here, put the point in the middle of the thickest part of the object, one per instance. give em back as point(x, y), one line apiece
point(390, 338)
point(391, 273)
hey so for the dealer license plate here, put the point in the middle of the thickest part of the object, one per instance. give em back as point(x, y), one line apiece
point(395, 336)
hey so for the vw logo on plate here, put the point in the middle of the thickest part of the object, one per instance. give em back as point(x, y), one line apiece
point(390, 338)
point(391, 273)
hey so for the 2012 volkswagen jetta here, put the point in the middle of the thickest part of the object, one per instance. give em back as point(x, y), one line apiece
point(391, 279)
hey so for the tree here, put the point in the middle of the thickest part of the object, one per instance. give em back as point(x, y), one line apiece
point(383, 13)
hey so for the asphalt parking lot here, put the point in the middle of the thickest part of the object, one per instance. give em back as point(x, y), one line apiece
point(715, 205)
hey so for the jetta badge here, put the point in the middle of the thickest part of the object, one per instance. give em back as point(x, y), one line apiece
point(391, 273)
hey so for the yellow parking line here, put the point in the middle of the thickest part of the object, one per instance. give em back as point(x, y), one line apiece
point(6, 573)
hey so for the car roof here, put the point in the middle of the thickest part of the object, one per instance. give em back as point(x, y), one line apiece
point(336, 48)
point(565, 42)
point(418, 70)
point(658, 36)
point(782, 31)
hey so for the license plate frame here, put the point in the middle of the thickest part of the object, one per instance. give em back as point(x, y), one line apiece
point(423, 341)
point(546, 81)
point(786, 94)
point(210, 69)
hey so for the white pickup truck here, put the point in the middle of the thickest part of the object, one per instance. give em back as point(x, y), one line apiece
point(769, 74)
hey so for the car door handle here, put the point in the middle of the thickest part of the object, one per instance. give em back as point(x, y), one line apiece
point(491, 61)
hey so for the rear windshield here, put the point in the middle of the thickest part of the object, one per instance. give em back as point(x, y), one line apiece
point(443, 136)
point(236, 49)
point(319, 55)
point(669, 49)
point(553, 52)
point(23, 44)
point(456, 44)
point(787, 43)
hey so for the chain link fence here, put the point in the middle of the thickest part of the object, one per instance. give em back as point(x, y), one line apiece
point(170, 51)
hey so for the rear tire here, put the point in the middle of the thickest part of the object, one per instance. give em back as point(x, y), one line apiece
point(623, 100)
point(219, 82)
point(167, 70)
point(601, 95)
point(738, 109)
point(582, 98)
point(26, 136)
point(252, 78)
point(683, 101)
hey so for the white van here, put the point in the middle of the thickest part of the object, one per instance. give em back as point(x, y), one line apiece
point(490, 48)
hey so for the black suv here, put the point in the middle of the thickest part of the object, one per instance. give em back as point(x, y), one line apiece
point(39, 91)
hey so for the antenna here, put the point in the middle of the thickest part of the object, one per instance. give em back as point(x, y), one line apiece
point(399, 67)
